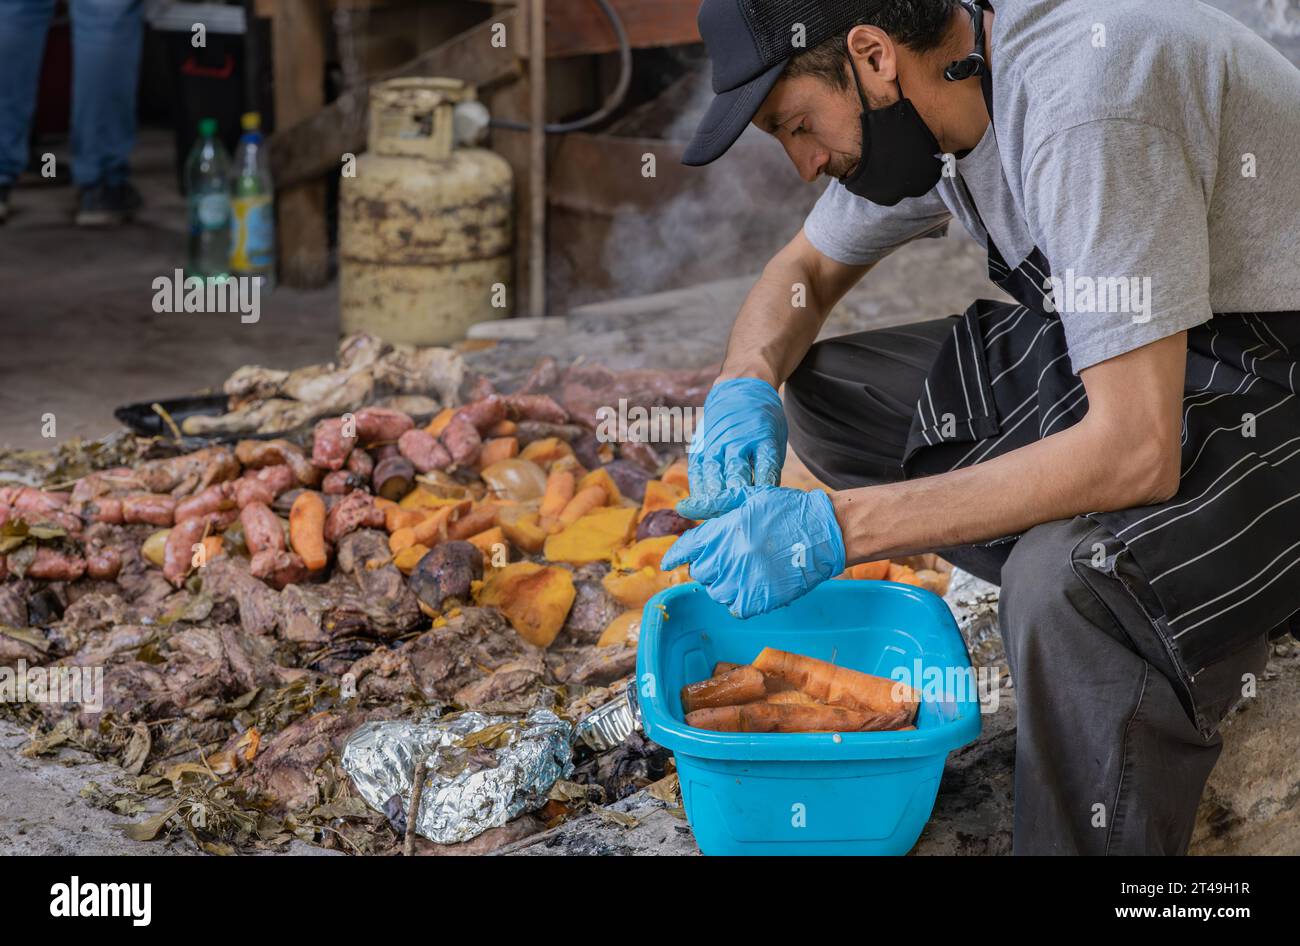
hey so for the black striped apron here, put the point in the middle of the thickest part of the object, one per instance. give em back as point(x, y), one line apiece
point(1221, 560)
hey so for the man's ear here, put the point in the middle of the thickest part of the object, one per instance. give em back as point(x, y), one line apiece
point(872, 53)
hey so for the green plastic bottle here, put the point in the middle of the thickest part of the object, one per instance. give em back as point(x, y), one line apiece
point(252, 199)
point(207, 195)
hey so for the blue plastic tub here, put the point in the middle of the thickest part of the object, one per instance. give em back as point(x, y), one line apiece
point(809, 793)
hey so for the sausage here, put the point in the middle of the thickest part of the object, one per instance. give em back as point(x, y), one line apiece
point(361, 463)
point(197, 470)
point(340, 482)
point(178, 554)
point(53, 565)
point(104, 563)
point(331, 447)
point(263, 485)
point(104, 509)
point(356, 510)
point(153, 509)
point(376, 424)
point(423, 450)
point(34, 502)
point(462, 440)
point(213, 499)
point(536, 407)
point(255, 454)
point(485, 413)
point(94, 485)
point(262, 529)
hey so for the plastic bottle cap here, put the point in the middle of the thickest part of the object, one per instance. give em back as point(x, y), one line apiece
point(250, 121)
point(207, 127)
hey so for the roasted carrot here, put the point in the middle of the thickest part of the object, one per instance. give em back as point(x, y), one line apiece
point(400, 540)
point(839, 686)
point(559, 490)
point(395, 517)
point(473, 522)
point(722, 667)
point(498, 448)
point(742, 685)
point(583, 502)
point(433, 528)
point(307, 529)
point(871, 571)
point(903, 574)
point(483, 541)
point(503, 428)
point(786, 717)
point(439, 423)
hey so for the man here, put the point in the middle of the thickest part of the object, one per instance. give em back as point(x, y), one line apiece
point(106, 41)
point(1120, 449)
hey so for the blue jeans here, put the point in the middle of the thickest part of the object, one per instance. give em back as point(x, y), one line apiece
point(106, 39)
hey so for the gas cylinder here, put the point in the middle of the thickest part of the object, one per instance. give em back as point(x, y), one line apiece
point(425, 226)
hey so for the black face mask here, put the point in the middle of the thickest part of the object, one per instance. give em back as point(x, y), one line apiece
point(898, 153)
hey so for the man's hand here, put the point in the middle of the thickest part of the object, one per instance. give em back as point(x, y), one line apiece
point(741, 444)
point(775, 547)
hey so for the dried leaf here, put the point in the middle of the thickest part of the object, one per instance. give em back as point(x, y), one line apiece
point(667, 790)
point(137, 750)
point(150, 828)
point(27, 635)
point(620, 818)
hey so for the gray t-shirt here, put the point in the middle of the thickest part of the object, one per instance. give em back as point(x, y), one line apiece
point(1149, 148)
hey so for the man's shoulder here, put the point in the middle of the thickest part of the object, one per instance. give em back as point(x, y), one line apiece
point(1067, 62)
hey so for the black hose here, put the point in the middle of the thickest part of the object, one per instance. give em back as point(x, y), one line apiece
point(615, 98)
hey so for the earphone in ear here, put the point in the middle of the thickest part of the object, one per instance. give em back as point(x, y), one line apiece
point(974, 64)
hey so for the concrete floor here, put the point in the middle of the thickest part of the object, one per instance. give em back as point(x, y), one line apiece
point(78, 335)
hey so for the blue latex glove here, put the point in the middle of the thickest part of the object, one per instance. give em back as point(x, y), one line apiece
point(741, 443)
point(778, 545)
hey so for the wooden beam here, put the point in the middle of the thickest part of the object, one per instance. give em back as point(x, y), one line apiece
point(315, 145)
point(298, 42)
point(579, 27)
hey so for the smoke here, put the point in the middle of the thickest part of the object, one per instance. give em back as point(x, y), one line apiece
point(719, 221)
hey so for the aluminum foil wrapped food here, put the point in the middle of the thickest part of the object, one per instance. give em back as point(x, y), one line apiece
point(974, 604)
point(483, 770)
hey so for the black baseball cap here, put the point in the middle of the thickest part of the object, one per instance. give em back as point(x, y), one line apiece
point(749, 43)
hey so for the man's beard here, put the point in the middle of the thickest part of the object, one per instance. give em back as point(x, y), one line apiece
point(842, 166)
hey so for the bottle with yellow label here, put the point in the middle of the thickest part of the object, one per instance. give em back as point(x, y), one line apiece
point(252, 204)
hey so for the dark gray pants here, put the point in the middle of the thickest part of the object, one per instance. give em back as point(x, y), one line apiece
point(1108, 761)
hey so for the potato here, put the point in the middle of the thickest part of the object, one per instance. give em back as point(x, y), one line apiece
point(154, 548)
point(446, 574)
point(661, 522)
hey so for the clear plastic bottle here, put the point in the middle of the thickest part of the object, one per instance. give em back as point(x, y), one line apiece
point(207, 192)
point(252, 198)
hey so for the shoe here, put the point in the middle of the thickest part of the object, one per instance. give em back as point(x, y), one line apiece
point(107, 205)
point(4, 202)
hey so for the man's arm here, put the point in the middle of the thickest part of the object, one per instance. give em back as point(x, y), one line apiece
point(1125, 452)
point(772, 334)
